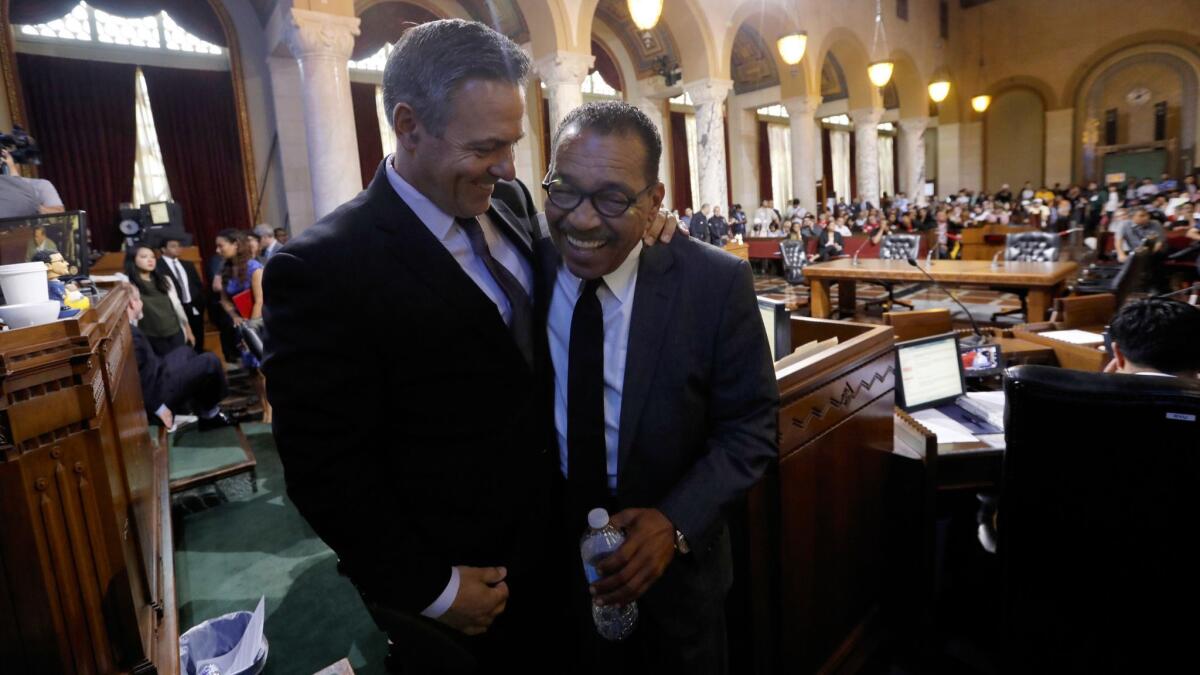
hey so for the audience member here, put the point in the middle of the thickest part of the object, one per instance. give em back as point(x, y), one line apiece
point(178, 378)
point(164, 323)
point(718, 229)
point(39, 243)
point(1155, 337)
point(241, 295)
point(266, 238)
point(699, 224)
point(281, 236)
point(187, 284)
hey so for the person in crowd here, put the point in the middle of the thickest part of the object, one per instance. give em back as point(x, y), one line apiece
point(763, 216)
point(687, 217)
point(1141, 230)
point(242, 291)
point(737, 221)
point(718, 228)
point(688, 456)
point(793, 209)
point(699, 227)
point(840, 226)
point(39, 243)
point(281, 236)
point(255, 244)
point(1027, 192)
point(164, 324)
point(1155, 336)
point(1189, 185)
point(440, 519)
point(215, 268)
point(1147, 190)
point(179, 379)
point(830, 243)
point(1004, 195)
point(20, 196)
point(774, 230)
point(1167, 184)
point(187, 285)
point(266, 238)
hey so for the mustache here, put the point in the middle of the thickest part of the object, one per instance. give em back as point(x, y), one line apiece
point(603, 233)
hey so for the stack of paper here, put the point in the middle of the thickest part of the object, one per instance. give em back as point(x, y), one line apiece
point(986, 405)
point(1075, 337)
point(804, 351)
point(943, 426)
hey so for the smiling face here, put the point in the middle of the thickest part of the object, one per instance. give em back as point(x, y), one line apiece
point(592, 244)
point(458, 170)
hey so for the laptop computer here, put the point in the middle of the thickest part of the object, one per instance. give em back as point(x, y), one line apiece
point(931, 374)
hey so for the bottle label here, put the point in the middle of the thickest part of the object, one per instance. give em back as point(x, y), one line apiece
point(589, 568)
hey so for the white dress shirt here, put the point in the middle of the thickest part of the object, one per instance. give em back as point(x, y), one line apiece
point(185, 293)
point(616, 301)
point(452, 236)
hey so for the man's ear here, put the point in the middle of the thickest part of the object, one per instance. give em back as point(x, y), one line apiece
point(657, 195)
point(1118, 356)
point(405, 124)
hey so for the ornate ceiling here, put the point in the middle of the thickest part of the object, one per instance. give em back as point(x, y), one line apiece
point(753, 65)
point(502, 15)
point(644, 47)
point(833, 80)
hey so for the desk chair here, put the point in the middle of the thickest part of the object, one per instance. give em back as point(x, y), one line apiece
point(1097, 517)
point(895, 247)
point(1029, 247)
point(919, 323)
point(1120, 280)
point(795, 258)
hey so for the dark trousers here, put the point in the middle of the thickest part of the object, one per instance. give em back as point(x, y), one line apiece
point(197, 380)
point(165, 345)
point(224, 324)
point(195, 315)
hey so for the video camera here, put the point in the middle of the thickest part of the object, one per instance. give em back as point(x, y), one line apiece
point(20, 146)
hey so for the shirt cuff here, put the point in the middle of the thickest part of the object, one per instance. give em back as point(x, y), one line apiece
point(446, 599)
point(163, 408)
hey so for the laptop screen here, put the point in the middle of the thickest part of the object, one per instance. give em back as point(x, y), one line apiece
point(930, 372)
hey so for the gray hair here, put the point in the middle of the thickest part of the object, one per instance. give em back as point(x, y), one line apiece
point(264, 230)
point(615, 117)
point(432, 60)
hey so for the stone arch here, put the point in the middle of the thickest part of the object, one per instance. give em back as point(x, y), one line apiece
point(610, 41)
point(850, 53)
point(1183, 60)
point(910, 85)
point(752, 66)
point(612, 18)
point(769, 22)
point(696, 56)
point(443, 9)
point(548, 26)
point(1037, 85)
point(1015, 121)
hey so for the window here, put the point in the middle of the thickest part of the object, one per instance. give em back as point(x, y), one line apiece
point(375, 61)
point(837, 120)
point(683, 99)
point(149, 173)
point(887, 126)
point(595, 84)
point(776, 110)
point(87, 24)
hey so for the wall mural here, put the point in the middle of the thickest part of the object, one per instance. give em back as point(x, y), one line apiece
point(643, 46)
point(752, 65)
point(833, 80)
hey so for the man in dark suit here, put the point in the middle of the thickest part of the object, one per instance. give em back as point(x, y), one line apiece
point(181, 378)
point(718, 228)
point(698, 228)
point(664, 404)
point(188, 285)
point(409, 374)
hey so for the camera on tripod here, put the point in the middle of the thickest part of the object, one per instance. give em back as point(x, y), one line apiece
point(20, 146)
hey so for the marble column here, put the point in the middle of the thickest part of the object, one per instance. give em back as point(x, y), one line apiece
point(709, 98)
point(912, 158)
point(802, 124)
point(866, 153)
point(653, 107)
point(322, 43)
point(563, 74)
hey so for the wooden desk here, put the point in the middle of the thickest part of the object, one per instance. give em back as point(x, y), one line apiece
point(86, 566)
point(950, 466)
point(740, 250)
point(1043, 280)
point(1076, 357)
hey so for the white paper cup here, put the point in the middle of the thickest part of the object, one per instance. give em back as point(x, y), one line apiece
point(29, 314)
point(24, 283)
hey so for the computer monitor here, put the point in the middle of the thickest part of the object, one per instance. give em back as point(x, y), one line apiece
point(929, 372)
point(64, 233)
point(982, 361)
point(777, 319)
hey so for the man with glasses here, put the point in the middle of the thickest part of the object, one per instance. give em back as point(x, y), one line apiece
point(408, 370)
point(664, 404)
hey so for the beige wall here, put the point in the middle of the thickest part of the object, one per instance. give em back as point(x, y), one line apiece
point(1135, 123)
point(1014, 130)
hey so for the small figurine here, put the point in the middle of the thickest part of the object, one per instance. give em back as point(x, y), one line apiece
point(70, 299)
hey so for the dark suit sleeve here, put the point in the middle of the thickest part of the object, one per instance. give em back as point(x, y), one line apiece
point(148, 368)
point(743, 410)
point(323, 380)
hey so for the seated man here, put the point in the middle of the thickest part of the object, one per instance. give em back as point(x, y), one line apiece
point(1155, 337)
point(180, 378)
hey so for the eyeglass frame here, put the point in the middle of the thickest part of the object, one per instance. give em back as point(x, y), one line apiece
point(591, 197)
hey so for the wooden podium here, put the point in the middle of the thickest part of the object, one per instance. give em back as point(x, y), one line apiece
point(828, 534)
point(86, 567)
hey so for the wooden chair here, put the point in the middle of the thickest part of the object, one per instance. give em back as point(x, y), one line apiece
point(1079, 311)
point(918, 323)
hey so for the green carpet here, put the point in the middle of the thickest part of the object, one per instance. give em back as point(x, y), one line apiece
point(255, 544)
point(194, 453)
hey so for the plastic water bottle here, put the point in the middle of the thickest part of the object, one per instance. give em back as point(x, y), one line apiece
point(613, 622)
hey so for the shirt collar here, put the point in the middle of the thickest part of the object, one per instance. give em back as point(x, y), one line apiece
point(618, 281)
point(437, 220)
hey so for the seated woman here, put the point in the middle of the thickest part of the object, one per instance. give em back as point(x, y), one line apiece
point(164, 322)
point(242, 296)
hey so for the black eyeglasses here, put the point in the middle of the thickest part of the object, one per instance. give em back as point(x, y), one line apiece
point(607, 202)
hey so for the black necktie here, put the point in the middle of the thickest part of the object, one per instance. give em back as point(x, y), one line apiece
point(587, 454)
point(179, 288)
point(521, 325)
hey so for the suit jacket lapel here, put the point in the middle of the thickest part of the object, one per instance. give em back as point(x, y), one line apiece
point(653, 301)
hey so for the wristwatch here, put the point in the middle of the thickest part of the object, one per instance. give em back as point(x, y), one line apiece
point(681, 544)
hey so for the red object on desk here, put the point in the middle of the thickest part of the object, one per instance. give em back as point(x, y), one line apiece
point(244, 303)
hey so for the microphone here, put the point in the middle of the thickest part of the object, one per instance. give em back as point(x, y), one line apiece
point(854, 261)
point(996, 259)
point(973, 341)
point(1194, 289)
point(928, 258)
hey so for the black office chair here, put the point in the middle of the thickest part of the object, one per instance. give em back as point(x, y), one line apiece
point(1097, 515)
point(1029, 247)
point(795, 259)
point(1120, 280)
point(896, 247)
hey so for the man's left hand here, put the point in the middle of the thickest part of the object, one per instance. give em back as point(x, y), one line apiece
point(630, 571)
point(663, 228)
